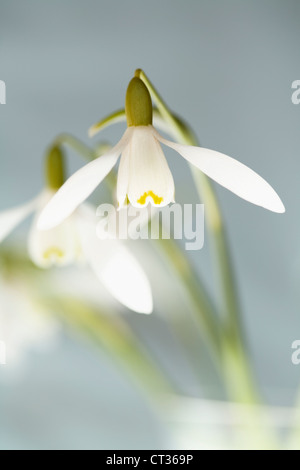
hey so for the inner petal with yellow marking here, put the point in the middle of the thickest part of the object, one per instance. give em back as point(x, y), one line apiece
point(156, 199)
point(53, 253)
point(144, 174)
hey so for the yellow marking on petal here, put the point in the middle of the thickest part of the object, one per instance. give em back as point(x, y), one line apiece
point(53, 252)
point(125, 203)
point(156, 199)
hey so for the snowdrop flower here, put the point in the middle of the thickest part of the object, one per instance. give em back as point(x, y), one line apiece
point(75, 239)
point(144, 175)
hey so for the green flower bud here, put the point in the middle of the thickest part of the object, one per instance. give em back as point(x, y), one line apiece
point(138, 104)
point(55, 168)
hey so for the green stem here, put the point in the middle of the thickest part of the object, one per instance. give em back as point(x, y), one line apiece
point(117, 116)
point(195, 289)
point(213, 212)
point(206, 313)
point(200, 300)
point(237, 372)
point(229, 352)
point(85, 151)
point(76, 144)
point(235, 366)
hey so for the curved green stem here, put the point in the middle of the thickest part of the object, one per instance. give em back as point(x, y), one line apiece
point(82, 149)
point(236, 368)
point(76, 144)
point(114, 118)
point(200, 300)
point(229, 350)
point(213, 212)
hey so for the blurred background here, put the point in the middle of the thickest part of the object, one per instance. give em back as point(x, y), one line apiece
point(227, 69)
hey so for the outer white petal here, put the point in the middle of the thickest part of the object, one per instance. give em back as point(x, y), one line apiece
point(59, 246)
point(10, 218)
point(116, 268)
point(123, 177)
point(150, 179)
point(79, 186)
point(231, 174)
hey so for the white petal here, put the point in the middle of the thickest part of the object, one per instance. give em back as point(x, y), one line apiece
point(123, 178)
point(10, 218)
point(79, 186)
point(150, 179)
point(124, 278)
point(117, 269)
point(59, 246)
point(231, 174)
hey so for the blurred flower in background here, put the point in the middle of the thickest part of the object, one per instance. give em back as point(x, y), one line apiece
point(76, 240)
point(25, 325)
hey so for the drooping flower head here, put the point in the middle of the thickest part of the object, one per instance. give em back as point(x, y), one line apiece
point(75, 239)
point(144, 175)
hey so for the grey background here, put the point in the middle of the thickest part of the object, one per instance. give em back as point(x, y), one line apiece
point(227, 68)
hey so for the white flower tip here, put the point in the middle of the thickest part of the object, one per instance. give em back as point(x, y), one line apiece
point(43, 223)
point(147, 308)
point(283, 210)
point(142, 300)
point(273, 202)
point(278, 207)
point(46, 220)
point(139, 298)
point(124, 278)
